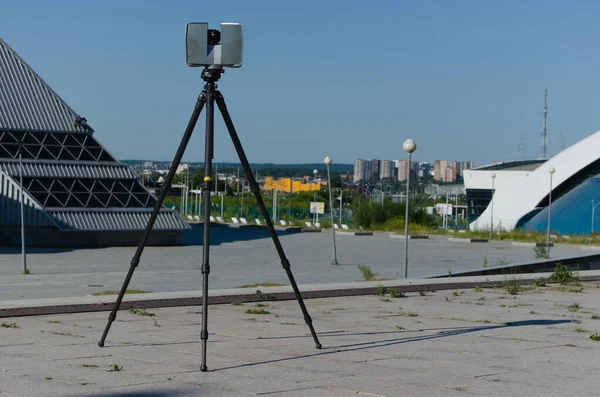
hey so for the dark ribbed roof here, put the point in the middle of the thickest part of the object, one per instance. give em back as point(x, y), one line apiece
point(27, 102)
point(115, 220)
point(71, 170)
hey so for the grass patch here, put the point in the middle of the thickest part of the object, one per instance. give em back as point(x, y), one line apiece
point(478, 289)
point(595, 317)
point(539, 282)
point(457, 293)
point(62, 333)
point(462, 388)
point(581, 330)
point(512, 284)
point(595, 337)
point(265, 284)
point(140, 312)
point(380, 290)
point(257, 311)
point(127, 292)
point(53, 322)
point(10, 325)
point(574, 307)
point(288, 323)
point(26, 271)
point(90, 366)
point(533, 312)
point(115, 368)
point(409, 314)
point(563, 274)
point(367, 273)
point(48, 378)
point(540, 252)
point(237, 303)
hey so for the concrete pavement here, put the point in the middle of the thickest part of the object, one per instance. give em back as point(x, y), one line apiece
point(242, 256)
point(482, 342)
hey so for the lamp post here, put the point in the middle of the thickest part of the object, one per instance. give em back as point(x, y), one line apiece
point(327, 162)
point(409, 147)
point(22, 195)
point(551, 171)
point(593, 213)
point(315, 219)
point(341, 203)
point(492, 207)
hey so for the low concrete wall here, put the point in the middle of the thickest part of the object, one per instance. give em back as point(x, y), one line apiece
point(52, 237)
point(583, 262)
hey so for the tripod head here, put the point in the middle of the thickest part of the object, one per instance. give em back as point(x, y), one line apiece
point(212, 73)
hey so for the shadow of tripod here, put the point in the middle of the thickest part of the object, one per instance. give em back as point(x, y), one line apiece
point(208, 97)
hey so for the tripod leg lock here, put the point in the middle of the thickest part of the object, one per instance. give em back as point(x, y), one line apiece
point(207, 184)
point(112, 317)
point(308, 319)
point(204, 335)
point(205, 269)
point(135, 261)
point(286, 264)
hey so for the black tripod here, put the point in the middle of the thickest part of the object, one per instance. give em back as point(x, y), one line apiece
point(208, 96)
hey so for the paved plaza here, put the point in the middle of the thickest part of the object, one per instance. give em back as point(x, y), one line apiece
point(446, 343)
point(246, 256)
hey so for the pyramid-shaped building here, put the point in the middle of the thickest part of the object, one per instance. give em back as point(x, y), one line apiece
point(75, 192)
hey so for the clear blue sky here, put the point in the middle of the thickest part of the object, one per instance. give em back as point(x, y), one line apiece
point(349, 79)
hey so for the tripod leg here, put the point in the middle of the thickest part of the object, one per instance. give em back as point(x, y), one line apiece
point(207, 190)
point(161, 197)
point(263, 209)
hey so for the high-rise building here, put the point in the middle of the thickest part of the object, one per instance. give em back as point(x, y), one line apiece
point(438, 169)
point(461, 166)
point(449, 174)
point(386, 171)
point(373, 168)
point(359, 170)
point(402, 170)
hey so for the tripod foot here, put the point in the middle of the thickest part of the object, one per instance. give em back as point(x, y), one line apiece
point(203, 368)
point(319, 347)
point(101, 344)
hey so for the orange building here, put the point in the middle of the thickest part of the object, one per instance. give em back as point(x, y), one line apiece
point(288, 185)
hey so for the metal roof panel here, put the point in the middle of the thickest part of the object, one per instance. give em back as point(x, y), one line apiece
point(27, 102)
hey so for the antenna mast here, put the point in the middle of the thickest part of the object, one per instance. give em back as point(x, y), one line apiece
point(544, 134)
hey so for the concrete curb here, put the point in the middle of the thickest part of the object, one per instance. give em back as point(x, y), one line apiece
point(18, 308)
point(354, 233)
point(467, 240)
point(530, 244)
point(410, 237)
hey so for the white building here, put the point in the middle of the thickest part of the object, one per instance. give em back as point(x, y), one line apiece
point(521, 188)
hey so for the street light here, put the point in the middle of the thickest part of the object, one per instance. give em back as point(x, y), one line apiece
point(327, 162)
point(409, 147)
point(492, 207)
point(551, 171)
point(315, 218)
point(593, 212)
point(23, 254)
